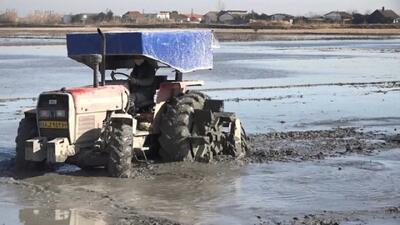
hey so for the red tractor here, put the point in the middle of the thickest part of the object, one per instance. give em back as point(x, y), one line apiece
point(135, 116)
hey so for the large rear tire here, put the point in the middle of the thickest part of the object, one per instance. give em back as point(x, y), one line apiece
point(245, 148)
point(27, 129)
point(120, 150)
point(176, 127)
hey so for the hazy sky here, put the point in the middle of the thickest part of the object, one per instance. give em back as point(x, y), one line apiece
point(296, 7)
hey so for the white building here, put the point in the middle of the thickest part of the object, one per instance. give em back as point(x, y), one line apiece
point(164, 15)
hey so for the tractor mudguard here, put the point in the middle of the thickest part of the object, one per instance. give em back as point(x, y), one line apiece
point(30, 113)
point(127, 118)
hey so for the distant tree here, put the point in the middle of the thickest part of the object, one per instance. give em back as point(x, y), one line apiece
point(220, 5)
point(42, 17)
point(263, 16)
point(109, 15)
point(174, 14)
point(9, 16)
point(252, 16)
point(312, 15)
point(101, 17)
point(106, 16)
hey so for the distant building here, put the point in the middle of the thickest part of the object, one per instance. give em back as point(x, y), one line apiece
point(148, 18)
point(164, 15)
point(210, 17)
point(226, 18)
point(237, 12)
point(84, 18)
point(66, 19)
point(132, 17)
point(185, 17)
point(383, 16)
point(359, 18)
point(176, 17)
point(281, 17)
point(233, 17)
point(338, 16)
point(397, 20)
point(315, 19)
point(150, 15)
point(193, 17)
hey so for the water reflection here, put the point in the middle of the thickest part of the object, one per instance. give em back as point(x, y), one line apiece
point(33, 216)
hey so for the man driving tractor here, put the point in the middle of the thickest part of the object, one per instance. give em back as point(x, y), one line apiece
point(142, 85)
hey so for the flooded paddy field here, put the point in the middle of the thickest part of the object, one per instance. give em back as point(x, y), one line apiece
point(324, 122)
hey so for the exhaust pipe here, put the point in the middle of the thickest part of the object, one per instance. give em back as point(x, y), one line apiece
point(95, 61)
point(103, 54)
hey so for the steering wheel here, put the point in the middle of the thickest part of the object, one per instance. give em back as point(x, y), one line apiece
point(119, 73)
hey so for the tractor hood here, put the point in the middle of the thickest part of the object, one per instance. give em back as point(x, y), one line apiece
point(185, 51)
point(103, 98)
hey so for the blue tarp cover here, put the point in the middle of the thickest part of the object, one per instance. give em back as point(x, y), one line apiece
point(184, 50)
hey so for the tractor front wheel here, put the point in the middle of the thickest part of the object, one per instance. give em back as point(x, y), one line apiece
point(27, 129)
point(120, 150)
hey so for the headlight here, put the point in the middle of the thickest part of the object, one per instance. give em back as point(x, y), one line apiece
point(60, 113)
point(44, 114)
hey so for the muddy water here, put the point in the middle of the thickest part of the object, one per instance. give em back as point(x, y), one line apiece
point(214, 194)
point(356, 189)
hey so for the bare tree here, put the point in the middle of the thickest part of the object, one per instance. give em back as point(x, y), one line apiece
point(312, 15)
point(109, 15)
point(9, 16)
point(42, 17)
point(220, 5)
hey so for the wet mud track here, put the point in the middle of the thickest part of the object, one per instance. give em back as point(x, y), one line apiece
point(316, 145)
point(171, 189)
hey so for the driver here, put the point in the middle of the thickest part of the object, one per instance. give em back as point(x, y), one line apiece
point(142, 85)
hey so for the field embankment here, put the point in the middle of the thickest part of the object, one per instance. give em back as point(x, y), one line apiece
point(228, 33)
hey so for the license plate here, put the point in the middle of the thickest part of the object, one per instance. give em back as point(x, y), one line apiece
point(53, 124)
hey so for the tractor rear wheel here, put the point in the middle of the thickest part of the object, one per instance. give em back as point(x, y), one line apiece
point(176, 127)
point(120, 150)
point(244, 142)
point(27, 129)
